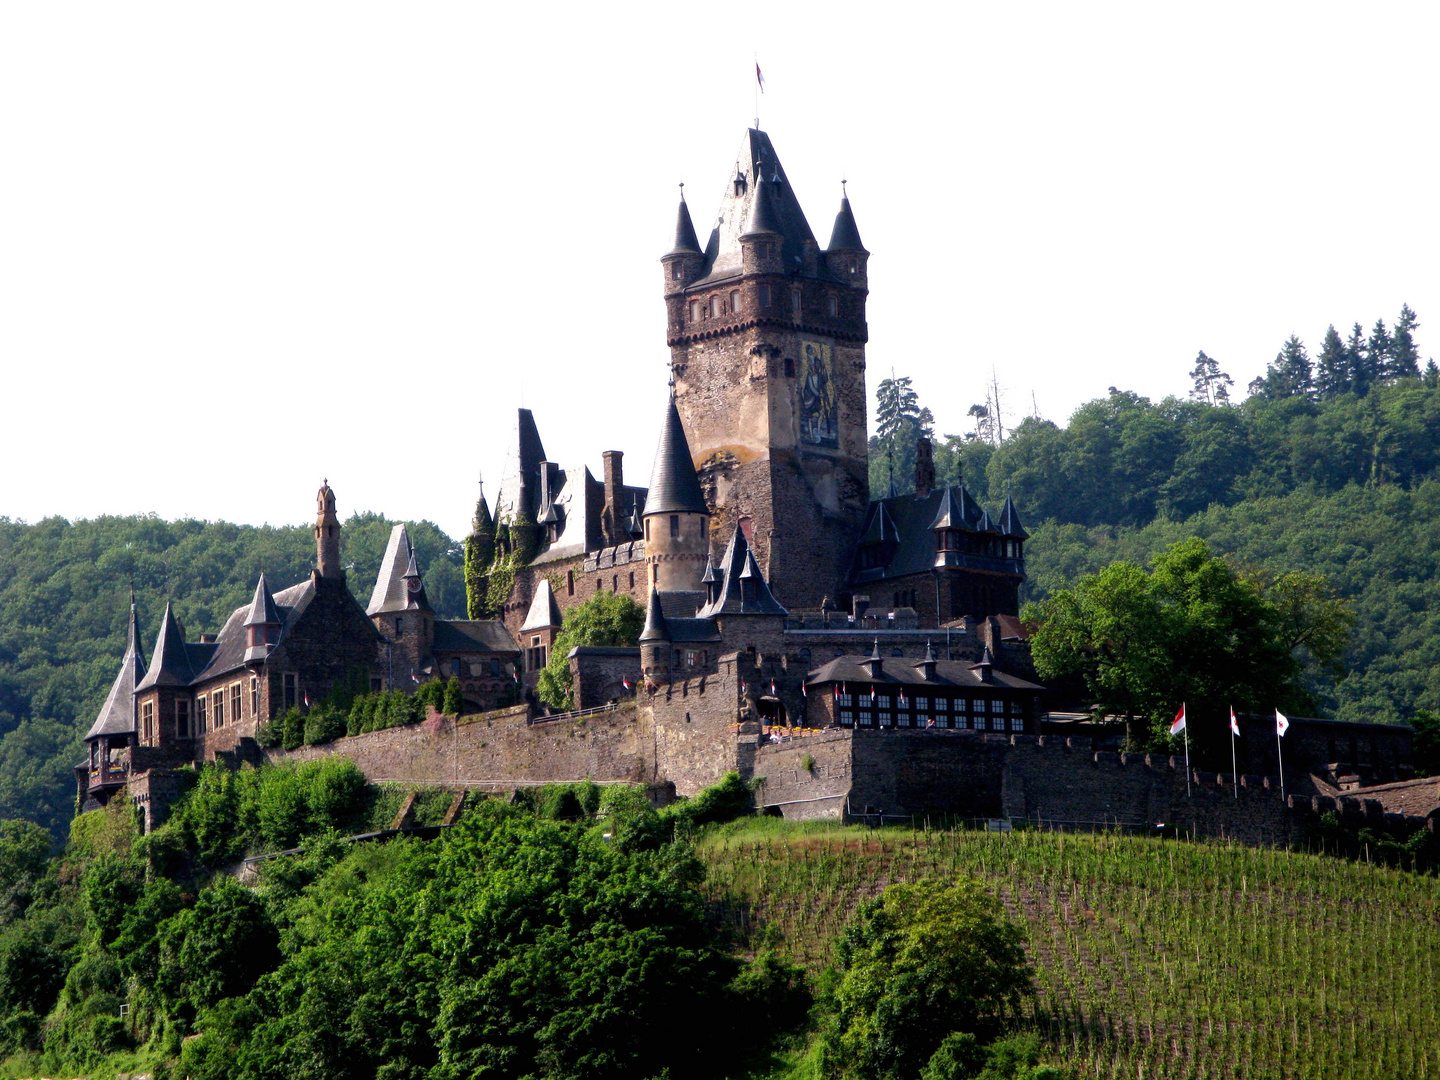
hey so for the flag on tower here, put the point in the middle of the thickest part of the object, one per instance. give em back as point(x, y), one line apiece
point(1282, 725)
point(1234, 724)
point(759, 77)
point(1179, 724)
point(804, 692)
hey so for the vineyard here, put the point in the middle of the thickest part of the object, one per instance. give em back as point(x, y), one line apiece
point(1152, 958)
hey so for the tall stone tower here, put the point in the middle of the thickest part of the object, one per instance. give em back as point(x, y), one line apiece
point(767, 340)
point(327, 534)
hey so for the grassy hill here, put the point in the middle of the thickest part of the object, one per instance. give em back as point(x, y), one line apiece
point(1153, 958)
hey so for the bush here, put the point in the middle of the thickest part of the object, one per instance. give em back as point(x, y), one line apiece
point(217, 949)
point(269, 734)
point(292, 729)
point(454, 698)
point(604, 619)
point(323, 725)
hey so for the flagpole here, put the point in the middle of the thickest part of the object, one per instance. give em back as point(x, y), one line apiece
point(1234, 769)
point(1280, 756)
point(1186, 730)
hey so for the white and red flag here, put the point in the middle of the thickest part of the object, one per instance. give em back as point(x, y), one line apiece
point(804, 692)
point(759, 77)
point(1179, 724)
point(306, 697)
point(1282, 725)
point(627, 684)
point(744, 688)
point(902, 699)
point(872, 695)
point(772, 687)
point(1234, 724)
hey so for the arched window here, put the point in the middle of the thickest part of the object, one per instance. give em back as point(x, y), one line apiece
point(734, 301)
point(694, 310)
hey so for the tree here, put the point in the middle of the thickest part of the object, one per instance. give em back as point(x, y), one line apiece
point(900, 422)
point(1290, 373)
point(922, 961)
point(217, 949)
point(605, 619)
point(1193, 630)
point(1209, 383)
point(1363, 372)
point(1333, 368)
point(1378, 349)
point(1404, 359)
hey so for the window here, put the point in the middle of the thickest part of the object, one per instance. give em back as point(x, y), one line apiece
point(569, 582)
point(764, 296)
point(922, 704)
point(217, 708)
point(714, 307)
point(883, 701)
point(291, 689)
point(674, 526)
point(847, 717)
point(867, 718)
point(632, 579)
point(694, 310)
point(147, 722)
point(399, 626)
point(675, 270)
point(734, 301)
point(376, 684)
point(997, 707)
point(494, 665)
point(182, 719)
point(200, 703)
point(789, 367)
point(854, 266)
point(254, 696)
point(455, 666)
point(795, 302)
point(943, 704)
point(537, 653)
point(237, 699)
point(647, 529)
point(614, 582)
point(691, 658)
point(763, 251)
point(832, 307)
point(1017, 724)
point(979, 722)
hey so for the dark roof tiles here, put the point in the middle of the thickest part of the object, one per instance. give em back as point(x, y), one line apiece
point(170, 663)
point(845, 236)
point(674, 487)
point(117, 715)
point(686, 242)
point(900, 670)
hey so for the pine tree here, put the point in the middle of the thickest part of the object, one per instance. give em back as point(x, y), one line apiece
point(1210, 384)
point(1431, 378)
point(899, 421)
point(1290, 373)
point(1377, 350)
point(1362, 375)
point(1332, 371)
point(1404, 355)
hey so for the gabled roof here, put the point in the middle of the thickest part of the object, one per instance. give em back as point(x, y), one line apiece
point(1010, 521)
point(117, 715)
point(263, 611)
point(898, 669)
point(227, 652)
point(845, 236)
point(170, 663)
point(881, 527)
point(737, 566)
point(686, 242)
point(544, 611)
point(472, 635)
point(391, 592)
point(674, 486)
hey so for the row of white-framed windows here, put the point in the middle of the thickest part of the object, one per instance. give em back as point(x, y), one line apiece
point(217, 708)
point(716, 305)
point(237, 701)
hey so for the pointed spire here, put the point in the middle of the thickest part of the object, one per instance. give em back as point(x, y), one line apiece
point(686, 242)
point(656, 628)
point(727, 596)
point(169, 663)
point(544, 612)
point(845, 236)
point(985, 525)
point(117, 715)
point(710, 577)
point(874, 664)
point(398, 572)
point(957, 510)
point(763, 220)
point(263, 611)
point(984, 670)
point(1010, 521)
point(674, 487)
point(927, 666)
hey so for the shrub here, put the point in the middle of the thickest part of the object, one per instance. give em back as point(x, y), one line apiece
point(323, 725)
point(292, 729)
point(454, 698)
point(604, 619)
point(270, 734)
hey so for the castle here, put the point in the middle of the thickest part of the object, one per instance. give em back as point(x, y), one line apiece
point(855, 657)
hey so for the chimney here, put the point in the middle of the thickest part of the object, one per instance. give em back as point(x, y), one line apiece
point(614, 514)
point(924, 467)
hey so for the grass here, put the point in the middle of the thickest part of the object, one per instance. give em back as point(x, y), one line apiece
point(1153, 958)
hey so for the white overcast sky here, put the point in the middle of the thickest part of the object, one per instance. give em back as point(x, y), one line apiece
point(247, 246)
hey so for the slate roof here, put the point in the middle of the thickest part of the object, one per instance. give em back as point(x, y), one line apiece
point(904, 526)
point(170, 663)
point(660, 625)
point(117, 715)
point(674, 486)
point(519, 489)
point(948, 673)
point(737, 565)
point(686, 242)
point(544, 611)
point(845, 236)
point(763, 220)
point(1010, 521)
point(227, 653)
point(473, 635)
point(262, 608)
point(655, 623)
point(391, 593)
point(722, 249)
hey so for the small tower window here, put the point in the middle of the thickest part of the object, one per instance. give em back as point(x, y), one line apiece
point(694, 310)
point(832, 307)
point(632, 579)
point(795, 302)
point(569, 582)
point(854, 266)
point(647, 528)
point(714, 307)
point(675, 270)
point(762, 250)
point(789, 367)
point(674, 526)
point(764, 296)
point(182, 718)
point(734, 301)
point(399, 627)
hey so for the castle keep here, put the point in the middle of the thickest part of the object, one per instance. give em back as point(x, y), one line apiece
point(855, 657)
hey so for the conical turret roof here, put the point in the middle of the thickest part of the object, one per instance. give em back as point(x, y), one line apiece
point(763, 220)
point(1010, 521)
point(674, 487)
point(544, 611)
point(263, 611)
point(117, 715)
point(392, 584)
point(845, 236)
point(169, 664)
point(656, 629)
point(686, 242)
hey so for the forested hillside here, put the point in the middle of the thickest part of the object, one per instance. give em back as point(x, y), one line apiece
point(64, 592)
